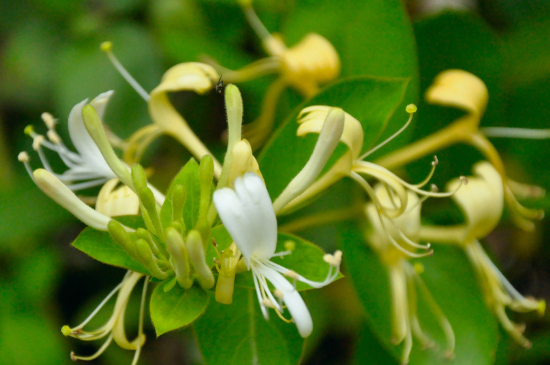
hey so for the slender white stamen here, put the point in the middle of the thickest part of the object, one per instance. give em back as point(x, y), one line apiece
point(98, 308)
point(523, 133)
point(87, 184)
point(107, 48)
point(254, 21)
point(411, 112)
point(379, 209)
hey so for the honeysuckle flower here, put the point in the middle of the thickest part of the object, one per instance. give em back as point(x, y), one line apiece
point(462, 90)
point(305, 66)
point(114, 327)
point(405, 280)
point(87, 167)
point(114, 200)
point(482, 203)
point(351, 164)
point(191, 76)
point(247, 214)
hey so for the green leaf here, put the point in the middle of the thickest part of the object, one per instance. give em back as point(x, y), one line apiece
point(188, 177)
point(449, 276)
point(238, 334)
point(456, 40)
point(100, 246)
point(177, 307)
point(372, 101)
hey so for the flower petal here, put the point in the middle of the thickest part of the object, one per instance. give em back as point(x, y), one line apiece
point(291, 297)
point(482, 200)
point(82, 140)
point(248, 216)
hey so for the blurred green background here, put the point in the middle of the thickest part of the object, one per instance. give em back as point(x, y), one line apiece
point(50, 60)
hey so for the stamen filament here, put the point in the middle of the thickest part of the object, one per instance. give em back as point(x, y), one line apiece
point(523, 133)
point(411, 112)
point(96, 354)
point(107, 48)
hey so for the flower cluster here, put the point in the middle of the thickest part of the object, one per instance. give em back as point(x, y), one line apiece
point(172, 238)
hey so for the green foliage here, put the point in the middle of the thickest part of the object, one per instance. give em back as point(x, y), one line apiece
point(238, 334)
point(448, 276)
point(188, 177)
point(100, 246)
point(177, 307)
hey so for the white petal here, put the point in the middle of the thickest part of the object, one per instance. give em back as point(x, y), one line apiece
point(291, 297)
point(82, 141)
point(248, 216)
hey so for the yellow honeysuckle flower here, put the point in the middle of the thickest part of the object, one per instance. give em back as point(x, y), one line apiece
point(351, 164)
point(191, 76)
point(405, 281)
point(196, 77)
point(481, 202)
point(305, 66)
point(114, 327)
point(462, 90)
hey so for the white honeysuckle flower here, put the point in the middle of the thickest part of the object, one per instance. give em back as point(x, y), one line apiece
point(247, 213)
point(87, 167)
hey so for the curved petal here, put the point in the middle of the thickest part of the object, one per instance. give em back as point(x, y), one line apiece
point(482, 200)
point(460, 89)
point(248, 216)
point(291, 297)
point(312, 119)
point(82, 140)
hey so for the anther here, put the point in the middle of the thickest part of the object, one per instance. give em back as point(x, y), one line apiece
point(53, 137)
point(23, 157)
point(411, 108)
point(434, 188)
point(106, 46)
point(435, 162)
point(292, 274)
point(279, 294)
point(214, 242)
point(37, 141)
point(66, 330)
point(464, 180)
point(290, 245)
point(73, 356)
point(268, 303)
point(29, 130)
point(49, 120)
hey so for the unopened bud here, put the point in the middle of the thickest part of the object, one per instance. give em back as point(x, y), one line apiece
point(197, 258)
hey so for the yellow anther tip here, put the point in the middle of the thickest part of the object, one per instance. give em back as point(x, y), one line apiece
point(418, 267)
point(66, 330)
point(542, 307)
point(28, 129)
point(290, 245)
point(106, 46)
point(411, 108)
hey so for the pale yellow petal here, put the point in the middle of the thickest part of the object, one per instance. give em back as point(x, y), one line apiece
point(113, 201)
point(311, 62)
point(196, 77)
point(460, 89)
point(482, 200)
point(312, 118)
